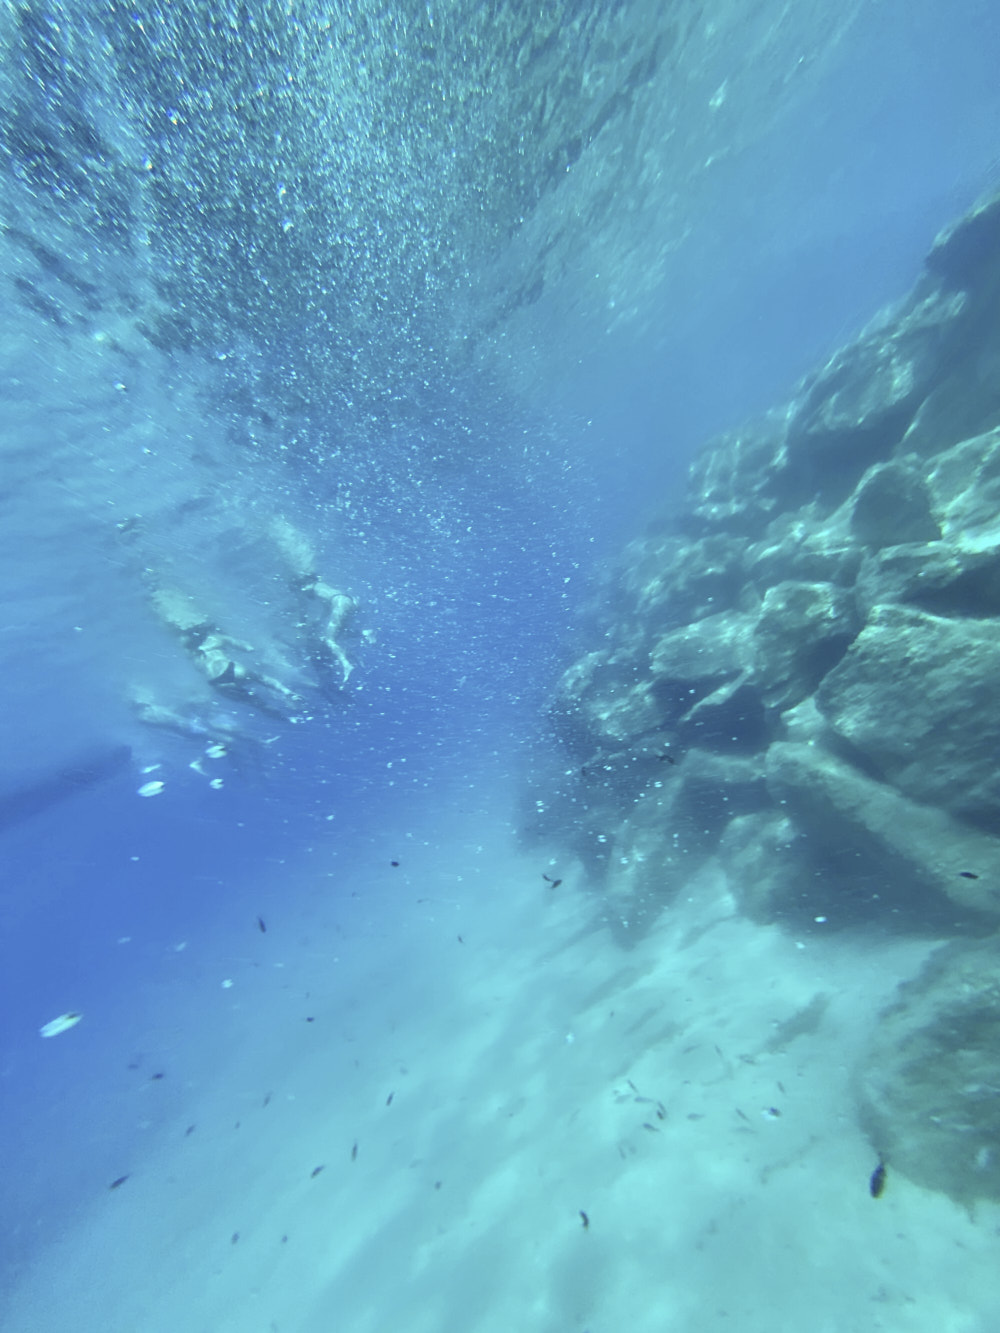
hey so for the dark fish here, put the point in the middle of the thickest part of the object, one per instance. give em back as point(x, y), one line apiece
point(553, 883)
point(189, 1130)
point(460, 940)
point(115, 1183)
point(156, 1076)
point(967, 874)
point(354, 1153)
point(388, 1100)
point(876, 1182)
point(652, 1128)
point(394, 863)
point(742, 1116)
point(260, 925)
point(584, 1219)
point(315, 1172)
point(234, 1238)
point(266, 1100)
point(668, 757)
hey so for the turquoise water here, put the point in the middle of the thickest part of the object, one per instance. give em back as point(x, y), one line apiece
point(425, 308)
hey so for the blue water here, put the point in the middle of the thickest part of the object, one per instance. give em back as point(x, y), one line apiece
point(461, 463)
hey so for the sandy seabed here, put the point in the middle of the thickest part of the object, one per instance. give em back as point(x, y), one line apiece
point(424, 1096)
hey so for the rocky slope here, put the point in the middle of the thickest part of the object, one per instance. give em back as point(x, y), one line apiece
point(800, 672)
point(799, 676)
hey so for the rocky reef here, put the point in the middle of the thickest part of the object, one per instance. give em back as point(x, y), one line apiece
point(799, 671)
point(796, 678)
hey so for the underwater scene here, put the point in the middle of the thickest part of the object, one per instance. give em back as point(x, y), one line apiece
point(500, 666)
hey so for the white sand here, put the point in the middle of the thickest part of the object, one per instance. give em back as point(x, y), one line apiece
point(516, 1060)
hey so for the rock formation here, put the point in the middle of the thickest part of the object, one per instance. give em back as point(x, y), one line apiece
point(800, 672)
point(799, 675)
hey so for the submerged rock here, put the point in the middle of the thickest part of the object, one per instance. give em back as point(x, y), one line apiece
point(877, 841)
point(825, 609)
point(892, 505)
point(802, 631)
point(929, 1086)
point(918, 697)
point(860, 405)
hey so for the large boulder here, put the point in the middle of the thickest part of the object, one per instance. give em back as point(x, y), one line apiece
point(670, 581)
point(804, 546)
point(731, 481)
point(966, 254)
point(602, 701)
point(918, 696)
point(802, 632)
point(883, 847)
point(859, 406)
point(701, 677)
point(891, 505)
point(929, 1087)
point(947, 578)
point(965, 483)
point(700, 656)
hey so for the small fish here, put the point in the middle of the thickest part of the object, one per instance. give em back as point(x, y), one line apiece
point(61, 1024)
point(742, 1115)
point(552, 883)
point(234, 1238)
point(189, 1131)
point(394, 863)
point(154, 1077)
point(116, 1183)
point(388, 1100)
point(652, 1128)
point(967, 874)
point(354, 1153)
point(876, 1181)
point(668, 757)
point(260, 925)
point(460, 940)
point(584, 1219)
point(315, 1171)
